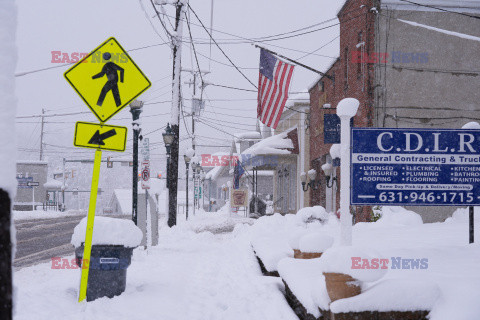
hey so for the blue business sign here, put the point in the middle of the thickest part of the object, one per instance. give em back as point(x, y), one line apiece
point(331, 128)
point(418, 167)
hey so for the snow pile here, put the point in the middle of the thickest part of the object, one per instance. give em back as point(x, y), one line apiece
point(305, 279)
point(271, 251)
point(340, 260)
point(390, 295)
point(310, 214)
point(109, 231)
point(471, 125)
point(315, 242)
point(399, 216)
point(461, 215)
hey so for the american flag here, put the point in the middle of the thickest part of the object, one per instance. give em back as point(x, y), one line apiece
point(273, 82)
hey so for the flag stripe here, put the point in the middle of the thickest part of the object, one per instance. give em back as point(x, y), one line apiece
point(272, 94)
point(281, 94)
point(271, 98)
point(278, 115)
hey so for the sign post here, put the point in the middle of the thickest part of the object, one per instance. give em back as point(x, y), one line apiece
point(107, 80)
point(90, 219)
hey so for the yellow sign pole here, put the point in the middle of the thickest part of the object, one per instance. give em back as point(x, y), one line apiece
point(91, 217)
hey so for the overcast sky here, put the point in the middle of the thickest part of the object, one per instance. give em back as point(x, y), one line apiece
point(67, 26)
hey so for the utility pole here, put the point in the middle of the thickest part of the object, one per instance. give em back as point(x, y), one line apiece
point(41, 136)
point(175, 114)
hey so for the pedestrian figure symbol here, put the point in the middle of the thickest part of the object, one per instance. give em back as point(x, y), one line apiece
point(111, 70)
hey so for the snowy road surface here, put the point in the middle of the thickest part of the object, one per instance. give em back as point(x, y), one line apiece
point(41, 239)
point(190, 275)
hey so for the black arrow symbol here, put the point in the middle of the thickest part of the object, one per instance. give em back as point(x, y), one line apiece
point(98, 138)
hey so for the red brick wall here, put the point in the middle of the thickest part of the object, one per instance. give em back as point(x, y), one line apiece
point(348, 82)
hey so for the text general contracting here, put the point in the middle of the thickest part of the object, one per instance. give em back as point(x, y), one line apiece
point(415, 166)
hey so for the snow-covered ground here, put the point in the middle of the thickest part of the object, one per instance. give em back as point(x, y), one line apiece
point(200, 270)
point(189, 275)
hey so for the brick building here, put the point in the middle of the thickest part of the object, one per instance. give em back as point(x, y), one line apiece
point(343, 78)
point(410, 65)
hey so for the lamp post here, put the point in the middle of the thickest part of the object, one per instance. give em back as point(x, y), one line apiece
point(202, 178)
point(313, 183)
point(168, 138)
point(187, 157)
point(346, 109)
point(194, 177)
point(135, 109)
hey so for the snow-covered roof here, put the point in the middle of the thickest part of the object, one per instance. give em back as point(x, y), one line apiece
point(263, 173)
point(277, 144)
point(214, 173)
point(299, 98)
point(53, 184)
point(124, 198)
point(32, 162)
point(250, 135)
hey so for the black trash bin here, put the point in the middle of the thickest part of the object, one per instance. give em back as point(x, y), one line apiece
point(107, 276)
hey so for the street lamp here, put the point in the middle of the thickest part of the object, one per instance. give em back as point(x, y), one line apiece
point(135, 109)
point(168, 137)
point(195, 165)
point(328, 170)
point(313, 183)
point(189, 153)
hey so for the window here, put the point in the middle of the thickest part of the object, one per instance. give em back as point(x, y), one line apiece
point(345, 58)
point(321, 85)
point(362, 50)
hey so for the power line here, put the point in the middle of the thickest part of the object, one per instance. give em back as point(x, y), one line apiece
point(193, 11)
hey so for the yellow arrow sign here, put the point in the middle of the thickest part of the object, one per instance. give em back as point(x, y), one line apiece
point(97, 136)
point(107, 79)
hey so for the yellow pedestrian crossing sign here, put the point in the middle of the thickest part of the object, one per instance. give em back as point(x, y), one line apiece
point(97, 136)
point(107, 79)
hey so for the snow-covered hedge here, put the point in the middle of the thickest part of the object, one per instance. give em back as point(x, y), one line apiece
point(399, 216)
point(109, 231)
point(310, 214)
point(315, 242)
point(341, 260)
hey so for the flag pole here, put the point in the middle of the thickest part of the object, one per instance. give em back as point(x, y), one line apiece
point(296, 62)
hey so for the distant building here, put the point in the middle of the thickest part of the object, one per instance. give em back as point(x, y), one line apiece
point(31, 177)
